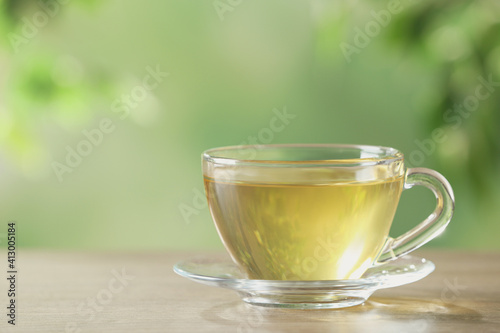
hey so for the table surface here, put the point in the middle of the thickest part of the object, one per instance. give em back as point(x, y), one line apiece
point(139, 292)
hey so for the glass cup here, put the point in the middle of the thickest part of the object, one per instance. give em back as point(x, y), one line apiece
point(316, 212)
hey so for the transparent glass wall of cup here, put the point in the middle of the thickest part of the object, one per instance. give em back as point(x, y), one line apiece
point(316, 212)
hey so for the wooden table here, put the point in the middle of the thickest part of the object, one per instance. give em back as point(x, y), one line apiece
point(138, 292)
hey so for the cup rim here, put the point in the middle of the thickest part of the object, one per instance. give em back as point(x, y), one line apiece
point(388, 155)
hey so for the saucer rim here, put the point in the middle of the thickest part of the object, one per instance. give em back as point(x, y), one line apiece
point(376, 281)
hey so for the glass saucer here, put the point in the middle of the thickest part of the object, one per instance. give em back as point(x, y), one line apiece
point(319, 294)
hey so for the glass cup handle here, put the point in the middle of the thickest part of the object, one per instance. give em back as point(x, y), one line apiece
point(433, 225)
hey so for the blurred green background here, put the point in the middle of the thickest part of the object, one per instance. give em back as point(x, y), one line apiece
point(406, 74)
